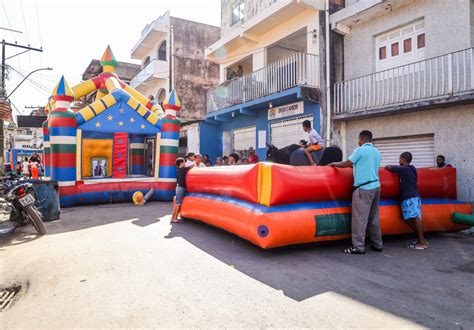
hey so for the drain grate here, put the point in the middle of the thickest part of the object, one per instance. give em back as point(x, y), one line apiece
point(7, 296)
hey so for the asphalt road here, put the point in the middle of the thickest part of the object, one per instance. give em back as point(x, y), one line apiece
point(125, 266)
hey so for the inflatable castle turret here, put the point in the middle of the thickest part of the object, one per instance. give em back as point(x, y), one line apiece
point(169, 137)
point(62, 124)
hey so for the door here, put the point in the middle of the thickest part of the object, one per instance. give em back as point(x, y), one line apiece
point(288, 131)
point(421, 148)
point(150, 156)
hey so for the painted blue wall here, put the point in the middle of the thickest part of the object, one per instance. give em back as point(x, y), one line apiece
point(211, 134)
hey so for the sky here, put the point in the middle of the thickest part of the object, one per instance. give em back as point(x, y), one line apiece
point(72, 33)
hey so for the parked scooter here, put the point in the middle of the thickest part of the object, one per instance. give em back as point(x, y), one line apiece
point(21, 197)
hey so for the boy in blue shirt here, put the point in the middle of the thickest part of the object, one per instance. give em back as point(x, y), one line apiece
point(410, 200)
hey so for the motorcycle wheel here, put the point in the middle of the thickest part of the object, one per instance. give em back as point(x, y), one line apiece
point(36, 219)
point(17, 219)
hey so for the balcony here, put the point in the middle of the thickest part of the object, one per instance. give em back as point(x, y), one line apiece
point(360, 12)
point(151, 35)
point(294, 70)
point(439, 81)
point(155, 70)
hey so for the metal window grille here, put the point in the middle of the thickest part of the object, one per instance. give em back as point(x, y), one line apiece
point(288, 131)
point(244, 138)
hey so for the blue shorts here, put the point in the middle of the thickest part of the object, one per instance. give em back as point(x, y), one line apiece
point(411, 208)
point(180, 191)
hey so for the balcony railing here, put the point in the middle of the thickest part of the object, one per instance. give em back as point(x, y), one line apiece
point(296, 69)
point(155, 69)
point(438, 78)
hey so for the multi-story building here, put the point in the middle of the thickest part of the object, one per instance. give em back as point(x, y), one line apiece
point(408, 76)
point(269, 76)
point(171, 50)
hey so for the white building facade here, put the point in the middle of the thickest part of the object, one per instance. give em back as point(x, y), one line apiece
point(408, 76)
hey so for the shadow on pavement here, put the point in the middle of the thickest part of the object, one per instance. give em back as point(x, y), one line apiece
point(84, 217)
point(432, 287)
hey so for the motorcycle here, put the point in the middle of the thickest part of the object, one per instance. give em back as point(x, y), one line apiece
point(21, 198)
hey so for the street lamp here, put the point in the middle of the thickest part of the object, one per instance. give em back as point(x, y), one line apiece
point(29, 74)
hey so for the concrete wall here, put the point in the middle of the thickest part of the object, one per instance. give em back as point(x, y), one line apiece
point(447, 25)
point(194, 76)
point(252, 8)
point(453, 137)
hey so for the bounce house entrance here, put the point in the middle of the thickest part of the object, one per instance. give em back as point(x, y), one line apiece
point(117, 155)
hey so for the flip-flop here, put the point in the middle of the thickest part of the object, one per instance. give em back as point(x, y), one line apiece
point(177, 221)
point(416, 247)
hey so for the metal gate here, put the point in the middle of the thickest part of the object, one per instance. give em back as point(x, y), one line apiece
point(288, 131)
point(421, 147)
point(244, 138)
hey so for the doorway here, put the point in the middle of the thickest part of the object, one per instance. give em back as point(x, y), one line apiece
point(150, 156)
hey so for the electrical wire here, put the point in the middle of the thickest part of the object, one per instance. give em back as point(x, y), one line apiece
point(39, 25)
point(8, 20)
point(24, 22)
point(40, 38)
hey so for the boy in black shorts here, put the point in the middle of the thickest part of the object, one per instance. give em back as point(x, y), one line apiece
point(180, 188)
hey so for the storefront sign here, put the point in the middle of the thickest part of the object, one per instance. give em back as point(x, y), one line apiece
point(286, 110)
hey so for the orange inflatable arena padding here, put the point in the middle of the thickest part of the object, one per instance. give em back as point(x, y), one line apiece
point(234, 181)
point(275, 184)
point(275, 226)
point(295, 184)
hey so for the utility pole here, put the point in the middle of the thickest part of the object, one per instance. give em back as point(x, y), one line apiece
point(171, 82)
point(3, 98)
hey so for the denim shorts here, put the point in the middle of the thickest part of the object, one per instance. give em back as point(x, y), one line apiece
point(180, 191)
point(411, 208)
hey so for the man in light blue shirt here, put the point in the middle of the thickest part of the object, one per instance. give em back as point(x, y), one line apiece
point(365, 161)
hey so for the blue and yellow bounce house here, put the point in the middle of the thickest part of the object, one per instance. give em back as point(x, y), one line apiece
point(120, 144)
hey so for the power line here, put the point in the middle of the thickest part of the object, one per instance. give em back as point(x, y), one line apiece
point(8, 19)
point(24, 22)
point(39, 26)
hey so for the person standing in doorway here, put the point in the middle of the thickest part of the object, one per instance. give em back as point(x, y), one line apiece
point(365, 161)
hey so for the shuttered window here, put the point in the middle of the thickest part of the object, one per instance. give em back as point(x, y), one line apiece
point(421, 147)
point(288, 131)
point(244, 138)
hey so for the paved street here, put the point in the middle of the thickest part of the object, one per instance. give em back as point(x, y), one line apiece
point(125, 266)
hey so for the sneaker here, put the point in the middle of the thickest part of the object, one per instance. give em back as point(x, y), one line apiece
point(352, 250)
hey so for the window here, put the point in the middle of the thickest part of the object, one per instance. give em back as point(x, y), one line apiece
point(162, 51)
point(382, 53)
point(402, 45)
point(394, 49)
point(244, 138)
point(161, 96)
point(288, 131)
point(420, 41)
point(238, 11)
point(146, 62)
point(407, 45)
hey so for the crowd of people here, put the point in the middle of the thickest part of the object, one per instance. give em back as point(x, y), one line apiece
point(30, 168)
point(235, 158)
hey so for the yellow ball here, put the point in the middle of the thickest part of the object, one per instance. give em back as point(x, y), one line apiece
point(138, 198)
